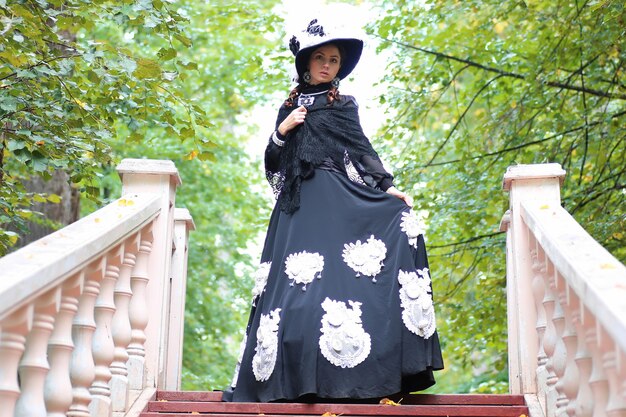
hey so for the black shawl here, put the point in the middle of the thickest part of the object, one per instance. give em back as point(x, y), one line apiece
point(328, 132)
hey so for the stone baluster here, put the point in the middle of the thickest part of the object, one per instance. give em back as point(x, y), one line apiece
point(549, 340)
point(538, 288)
point(82, 369)
point(34, 364)
point(102, 344)
point(622, 372)
point(13, 331)
point(584, 400)
point(58, 387)
point(616, 405)
point(138, 310)
point(121, 329)
point(597, 380)
point(559, 357)
point(568, 384)
point(183, 224)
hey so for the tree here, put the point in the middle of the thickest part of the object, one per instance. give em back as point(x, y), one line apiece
point(477, 86)
point(63, 89)
point(155, 79)
point(232, 68)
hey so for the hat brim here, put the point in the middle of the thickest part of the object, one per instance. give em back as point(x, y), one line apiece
point(352, 48)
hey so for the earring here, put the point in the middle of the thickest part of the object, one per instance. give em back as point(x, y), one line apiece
point(335, 82)
point(306, 77)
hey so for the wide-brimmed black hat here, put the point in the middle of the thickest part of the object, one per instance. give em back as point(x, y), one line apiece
point(315, 36)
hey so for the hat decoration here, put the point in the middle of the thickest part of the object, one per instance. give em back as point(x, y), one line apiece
point(315, 36)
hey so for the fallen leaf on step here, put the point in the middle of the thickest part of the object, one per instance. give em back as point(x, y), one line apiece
point(162, 401)
point(387, 401)
point(329, 414)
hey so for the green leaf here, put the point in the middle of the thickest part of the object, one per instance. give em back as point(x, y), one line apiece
point(188, 65)
point(8, 103)
point(183, 39)
point(39, 162)
point(147, 68)
point(54, 198)
point(38, 198)
point(207, 156)
point(13, 144)
point(165, 54)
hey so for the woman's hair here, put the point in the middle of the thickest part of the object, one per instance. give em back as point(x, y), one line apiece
point(333, 92)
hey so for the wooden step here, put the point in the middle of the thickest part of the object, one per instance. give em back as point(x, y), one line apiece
point(186, 403)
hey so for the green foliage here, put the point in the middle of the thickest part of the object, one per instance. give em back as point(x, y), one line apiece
point(477, 86)
point(228, 73)
point(84, 84)
point(65, 85)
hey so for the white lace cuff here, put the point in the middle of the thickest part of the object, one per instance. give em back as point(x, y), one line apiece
point(277, 141)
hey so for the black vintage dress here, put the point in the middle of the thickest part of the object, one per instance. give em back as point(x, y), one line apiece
point(342, 303)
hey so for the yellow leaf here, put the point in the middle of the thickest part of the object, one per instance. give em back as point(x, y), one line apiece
point(499, 27)
point(329, 414)
point(387, 401)
point(97, 220)
point(608, 266)
point(125, 203)
point(192, 155)
point(544, 207)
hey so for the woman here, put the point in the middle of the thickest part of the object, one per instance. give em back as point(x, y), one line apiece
point(342, 302)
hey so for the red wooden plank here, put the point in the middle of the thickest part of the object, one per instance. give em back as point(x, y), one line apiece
point(487, 413)
point(463, 399)
point(484, 413)
point(189, 395)
point(344, 409)
point(412, 399)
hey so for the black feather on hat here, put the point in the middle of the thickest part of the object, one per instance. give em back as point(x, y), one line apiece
point(315, 36)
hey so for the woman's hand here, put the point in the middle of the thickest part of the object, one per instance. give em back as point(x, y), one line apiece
point(294, 119)
point(402, 196)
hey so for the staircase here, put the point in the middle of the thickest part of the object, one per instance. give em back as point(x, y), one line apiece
point(92, 316)
point(175, 404)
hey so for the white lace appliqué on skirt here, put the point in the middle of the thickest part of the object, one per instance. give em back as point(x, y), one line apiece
point(412, 226)
point(365, 258)
point(303, 267)
point(418, 312)
point(260, 279)
point(343, 342)
point(266, 349)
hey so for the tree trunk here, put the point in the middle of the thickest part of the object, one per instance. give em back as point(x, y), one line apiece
point(63, 213)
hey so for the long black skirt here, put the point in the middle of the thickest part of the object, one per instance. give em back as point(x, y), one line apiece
point(343, 304)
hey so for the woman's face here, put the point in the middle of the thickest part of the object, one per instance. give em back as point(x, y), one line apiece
point(324, 64)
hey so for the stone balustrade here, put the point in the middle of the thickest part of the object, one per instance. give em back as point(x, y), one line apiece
point(86, 324)
point(566, 304)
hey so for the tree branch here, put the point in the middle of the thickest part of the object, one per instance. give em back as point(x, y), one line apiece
point(44, 62)
point(472, 239)
point(461, 118)
point(503, 73)
point(523, 145)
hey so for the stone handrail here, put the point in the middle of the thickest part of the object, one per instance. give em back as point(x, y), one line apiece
point(566, 304)
point(83, 328)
